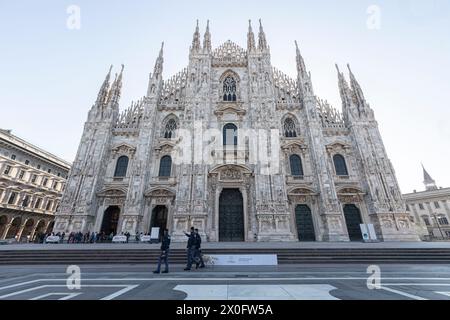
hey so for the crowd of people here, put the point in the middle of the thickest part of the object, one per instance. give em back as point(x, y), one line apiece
point(88, 237)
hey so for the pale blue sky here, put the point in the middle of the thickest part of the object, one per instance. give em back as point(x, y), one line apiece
point(50, 75)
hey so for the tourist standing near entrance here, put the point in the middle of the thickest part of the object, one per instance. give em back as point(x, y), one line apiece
point(165, 244)
point(198, 251)
point(191, 248)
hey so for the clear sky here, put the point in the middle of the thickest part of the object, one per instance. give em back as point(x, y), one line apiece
point(50, 74)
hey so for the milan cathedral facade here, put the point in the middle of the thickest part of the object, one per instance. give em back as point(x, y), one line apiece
point(236, 148)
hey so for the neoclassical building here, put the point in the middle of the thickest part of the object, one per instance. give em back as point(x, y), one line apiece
point(430, 209)
point(235, 147)
point(31, 185)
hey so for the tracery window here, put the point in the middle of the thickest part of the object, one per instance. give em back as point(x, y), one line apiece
point(170, 128)
point(229, 89)
point(290, 129)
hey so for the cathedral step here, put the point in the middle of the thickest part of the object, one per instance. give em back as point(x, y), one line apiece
point(178, 256)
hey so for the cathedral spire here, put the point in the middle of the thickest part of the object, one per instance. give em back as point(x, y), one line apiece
point(356, 88)
point(429, 183)
point(301, 68)
point(251, 44)
point(196, 40)
point(207, 39)
point(262, 42)
point(344, 90)
point(157, 71)
point(104, 89)
point(156, 77)
point(116, 88)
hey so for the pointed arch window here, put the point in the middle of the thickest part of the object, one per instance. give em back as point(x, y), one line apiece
point(230, 137)
point(229, 89)
point(169, 129)
point(296, 165)
point(121, 167)
point(165, 166)
point(339, 165)
point(290, 129)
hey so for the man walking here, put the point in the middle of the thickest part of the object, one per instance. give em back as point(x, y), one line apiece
point(191, 248)
point(198, 251)
point(165, 244)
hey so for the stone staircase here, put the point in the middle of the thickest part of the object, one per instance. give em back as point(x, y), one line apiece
point(178, 256)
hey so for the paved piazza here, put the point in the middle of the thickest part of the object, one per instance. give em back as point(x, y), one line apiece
point(131, 282)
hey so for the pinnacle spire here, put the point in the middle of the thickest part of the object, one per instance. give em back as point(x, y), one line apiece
point(262, 42)
point(343, 88)
point(116, 88)
point(103, 92)
point(356, 87)
point(207, 39)
point(196, 40)
point(301, 68)
point(157, 71)
point(429, 183)
point(251, 44)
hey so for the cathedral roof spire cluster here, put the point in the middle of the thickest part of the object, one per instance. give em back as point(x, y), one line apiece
point(352, 96)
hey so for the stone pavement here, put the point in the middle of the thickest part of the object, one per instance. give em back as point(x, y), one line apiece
point(293, 282)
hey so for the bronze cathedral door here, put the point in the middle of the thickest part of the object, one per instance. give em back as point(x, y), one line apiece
point(231, 216)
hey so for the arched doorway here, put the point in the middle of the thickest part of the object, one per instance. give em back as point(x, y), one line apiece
point(14, 229)
point(110, 220)
point(159, 219)
point(231, 216)
point(304, 221)
point(28, 229)
point(50, 227)
point(39, 231)
point(3, 222)
point(353, 220)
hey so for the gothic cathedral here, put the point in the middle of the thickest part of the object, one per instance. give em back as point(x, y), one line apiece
point(236, 148)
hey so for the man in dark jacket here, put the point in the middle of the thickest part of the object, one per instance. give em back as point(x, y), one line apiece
point(198, 251)
point(165, 244)
point(191, 248)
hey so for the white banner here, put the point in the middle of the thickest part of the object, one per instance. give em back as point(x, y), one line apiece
point(119, 239)
point(245, 260)
point(145, 238)
point(53, 239)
